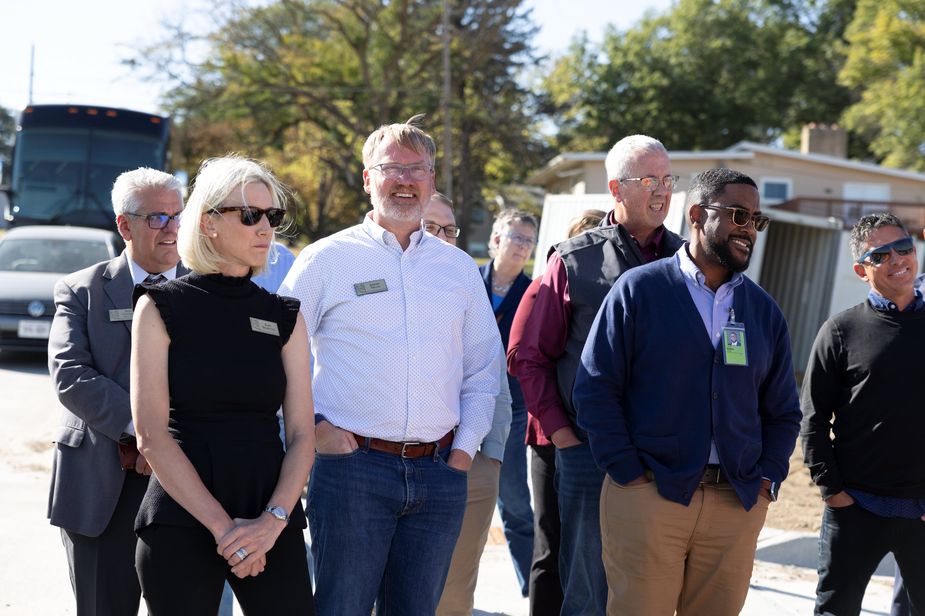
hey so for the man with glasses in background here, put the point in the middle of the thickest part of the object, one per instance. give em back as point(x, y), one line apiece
point(407, 364)
point(862, 382)
point(98, 477)
point(578, 275)
point(694, 432)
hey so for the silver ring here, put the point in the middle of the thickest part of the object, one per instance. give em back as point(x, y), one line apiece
point(241, 553)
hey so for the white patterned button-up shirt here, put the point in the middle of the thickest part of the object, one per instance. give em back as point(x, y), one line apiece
point(406, 360)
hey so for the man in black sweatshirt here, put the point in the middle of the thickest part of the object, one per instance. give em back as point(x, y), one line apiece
point(862, 386)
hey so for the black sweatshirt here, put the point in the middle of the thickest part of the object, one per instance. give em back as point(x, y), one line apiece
point(862, 383)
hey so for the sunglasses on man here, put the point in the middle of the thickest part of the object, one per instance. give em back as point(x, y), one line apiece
point(250, 216)
point(881, 254)
point(741, 217)
point(156, 221)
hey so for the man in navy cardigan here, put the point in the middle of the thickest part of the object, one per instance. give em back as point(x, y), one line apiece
point(694, 431)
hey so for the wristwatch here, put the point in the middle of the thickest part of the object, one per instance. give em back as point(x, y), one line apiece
point(772, 487)
point(278, 512)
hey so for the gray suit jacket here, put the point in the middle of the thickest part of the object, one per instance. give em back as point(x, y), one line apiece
point(89, 349)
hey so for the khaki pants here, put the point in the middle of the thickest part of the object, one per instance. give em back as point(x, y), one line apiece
point(459, 591)
point(661, 557)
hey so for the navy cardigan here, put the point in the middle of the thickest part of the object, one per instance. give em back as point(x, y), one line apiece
point(652, 389)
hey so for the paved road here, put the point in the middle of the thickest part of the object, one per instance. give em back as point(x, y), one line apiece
point(33, 570)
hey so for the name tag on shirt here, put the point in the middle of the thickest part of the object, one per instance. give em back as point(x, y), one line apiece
point(264, 327)
point(373, 286)
point(120, 314)
point(734, 350)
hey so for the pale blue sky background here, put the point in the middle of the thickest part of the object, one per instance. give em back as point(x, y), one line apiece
point(78, 44)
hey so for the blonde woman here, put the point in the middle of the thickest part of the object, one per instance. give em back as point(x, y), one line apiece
point(213, 358)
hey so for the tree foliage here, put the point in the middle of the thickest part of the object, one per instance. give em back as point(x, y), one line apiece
point(7, 134)
point(301, 83)
point(886, 63)
point(704, 75)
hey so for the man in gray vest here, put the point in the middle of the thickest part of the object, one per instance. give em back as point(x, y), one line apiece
point(95, 489)
point(578, 276)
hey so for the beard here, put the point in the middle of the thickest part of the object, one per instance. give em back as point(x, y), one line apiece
point(725, 256)
point(404, 211)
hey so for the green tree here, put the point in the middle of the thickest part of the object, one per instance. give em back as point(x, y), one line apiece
point(301, 83)
point(886, 63)
point(7, 135)
point(704, 75)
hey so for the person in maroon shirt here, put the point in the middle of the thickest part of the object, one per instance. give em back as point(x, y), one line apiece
point(579, 273)
point(545, 589)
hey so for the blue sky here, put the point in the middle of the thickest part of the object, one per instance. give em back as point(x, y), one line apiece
point(79, 45)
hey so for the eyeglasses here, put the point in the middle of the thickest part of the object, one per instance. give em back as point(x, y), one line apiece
point(434, 229)
point(650, 183)
point(881, 254)
point(393, 171)
point(250, 216)
point(156, 221)
point(520, 240)
point(741, 217)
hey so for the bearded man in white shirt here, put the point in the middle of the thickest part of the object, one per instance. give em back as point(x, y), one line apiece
point(406, 374)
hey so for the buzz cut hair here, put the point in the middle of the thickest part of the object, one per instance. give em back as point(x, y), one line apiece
point(710, 184)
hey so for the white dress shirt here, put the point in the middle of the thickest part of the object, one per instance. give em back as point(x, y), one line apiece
point(412, 361)
point(138, 276)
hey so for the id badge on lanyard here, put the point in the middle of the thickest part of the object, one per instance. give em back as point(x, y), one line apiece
point(735, 348)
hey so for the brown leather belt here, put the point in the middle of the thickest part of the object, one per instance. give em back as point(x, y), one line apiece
point(713, 475)
point(411, 449)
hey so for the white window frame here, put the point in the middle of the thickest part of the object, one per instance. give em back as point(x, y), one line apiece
point(788, 182)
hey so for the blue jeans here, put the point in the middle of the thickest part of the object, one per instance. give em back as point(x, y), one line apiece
point(383, 531)
point(852, 543)
point(514, 498)
point(581, 568)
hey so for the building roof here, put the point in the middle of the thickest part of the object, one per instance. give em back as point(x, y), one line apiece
point(569, 163)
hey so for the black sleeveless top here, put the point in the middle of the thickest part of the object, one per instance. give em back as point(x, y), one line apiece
point(226, 381)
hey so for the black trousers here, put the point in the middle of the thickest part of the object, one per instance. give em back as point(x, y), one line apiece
point(852, 543)
point(900, 605)
point(102, 568)
point(182, 575)
point(544, 586)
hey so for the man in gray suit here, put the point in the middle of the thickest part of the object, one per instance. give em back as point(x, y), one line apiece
point(95, 491)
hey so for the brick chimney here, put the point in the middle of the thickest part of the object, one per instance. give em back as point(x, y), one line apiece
point(827, 139)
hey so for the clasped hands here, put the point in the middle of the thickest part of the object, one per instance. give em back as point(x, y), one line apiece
point(252, 539)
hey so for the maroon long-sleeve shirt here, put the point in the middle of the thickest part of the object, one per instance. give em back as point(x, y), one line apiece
point(542, 335)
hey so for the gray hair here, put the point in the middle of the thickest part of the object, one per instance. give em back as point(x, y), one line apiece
point(407, 135)
point(862, 229)
point(504, 218)
point(624, 153)
point(128, 187)
point(216, 180)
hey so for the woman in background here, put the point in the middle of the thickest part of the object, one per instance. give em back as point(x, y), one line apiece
point(213, 358)
point(513, 236)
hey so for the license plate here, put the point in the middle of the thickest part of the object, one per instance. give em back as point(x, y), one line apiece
point(34, 329)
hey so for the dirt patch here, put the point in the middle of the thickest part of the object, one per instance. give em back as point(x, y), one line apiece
point(799, 506)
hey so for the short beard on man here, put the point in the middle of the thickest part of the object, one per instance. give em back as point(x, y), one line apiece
point(724, 255)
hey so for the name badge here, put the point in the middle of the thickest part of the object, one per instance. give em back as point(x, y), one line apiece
point(735, 352)
point(373, 286)
point(120, 314)
point(264, 327)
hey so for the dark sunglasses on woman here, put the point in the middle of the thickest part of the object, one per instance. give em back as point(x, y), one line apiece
point(250, 216)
